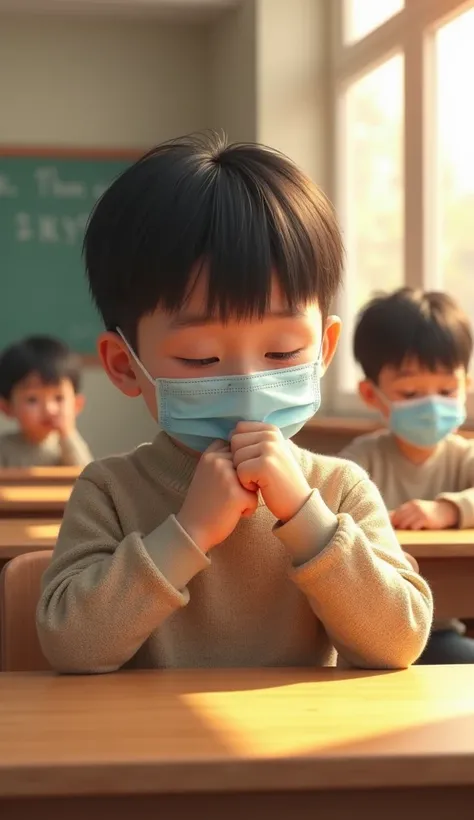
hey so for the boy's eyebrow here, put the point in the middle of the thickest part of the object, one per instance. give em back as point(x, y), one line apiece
point(199, 319)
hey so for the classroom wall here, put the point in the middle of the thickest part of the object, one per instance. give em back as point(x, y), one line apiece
point(101, 82)
point(293, 102)
point(268, 68)
point(232, 66)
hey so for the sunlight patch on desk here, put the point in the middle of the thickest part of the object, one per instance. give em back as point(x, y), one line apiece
point(252, 724)
point(34, 494)
point(40, 531)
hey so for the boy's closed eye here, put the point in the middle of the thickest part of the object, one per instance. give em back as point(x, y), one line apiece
point(198, 362)
point(449, 392)
point(280, 356)
point(284, 356)
point(408, 395)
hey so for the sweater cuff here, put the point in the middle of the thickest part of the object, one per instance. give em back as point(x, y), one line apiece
point(174, 553)
point(309, 531)
point(74, 450)
point(464, 507)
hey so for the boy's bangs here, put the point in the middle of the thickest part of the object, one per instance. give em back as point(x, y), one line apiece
point(243, 216)
point(429, 328)
point(432, 345)
point(52, 373)
point(241, 244)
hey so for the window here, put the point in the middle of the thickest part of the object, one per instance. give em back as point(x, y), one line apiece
point(363, 16)
point(455, 158)
point(404, 156)
point(373, 190)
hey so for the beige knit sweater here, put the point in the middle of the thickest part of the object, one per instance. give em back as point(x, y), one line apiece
point(71, 451)
point(127, 586)
point(447, 474)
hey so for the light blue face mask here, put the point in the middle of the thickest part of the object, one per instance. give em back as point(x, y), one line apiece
point(427, 421)
point(196, 412)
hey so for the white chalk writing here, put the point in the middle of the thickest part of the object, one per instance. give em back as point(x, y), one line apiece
point(7, 189)
point(50, 184)
point(73, 228)
point(49, 229)
point(24, 230)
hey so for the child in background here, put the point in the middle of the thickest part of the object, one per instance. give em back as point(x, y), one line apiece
point(221, 544)
point(414, 349)
point(40, 389)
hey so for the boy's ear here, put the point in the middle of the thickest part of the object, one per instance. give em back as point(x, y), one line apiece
point(80, 400)
point(332, 331)
point(117, 363)
point(369, 395)
point(6, 408)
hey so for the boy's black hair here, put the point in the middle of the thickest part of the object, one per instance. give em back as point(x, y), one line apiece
point(242, 211)
point(429, 327)
point(50, 358)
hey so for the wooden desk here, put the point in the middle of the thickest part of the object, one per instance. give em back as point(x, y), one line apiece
point(438, 543)
point(446, 560)
point(39, 475)
point(238, 743)
point(33, 499)
point(358, 426)
point(19, 535)
point(330, 434)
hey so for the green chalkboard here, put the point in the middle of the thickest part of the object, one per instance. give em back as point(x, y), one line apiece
point(45, 201)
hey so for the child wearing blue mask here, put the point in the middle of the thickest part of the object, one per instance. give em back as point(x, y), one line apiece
point(414, 349)
point(221, 543)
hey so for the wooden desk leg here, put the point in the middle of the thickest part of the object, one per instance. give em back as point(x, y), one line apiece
point(452, 584)
point(392, 804)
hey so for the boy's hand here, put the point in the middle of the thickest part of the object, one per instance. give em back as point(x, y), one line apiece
point(425, 515)
point(65, 421)
point(216, 500)
point(264, 462)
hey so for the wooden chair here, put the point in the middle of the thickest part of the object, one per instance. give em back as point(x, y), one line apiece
point(20, 584)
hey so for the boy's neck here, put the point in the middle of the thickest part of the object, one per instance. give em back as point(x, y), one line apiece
point(417, 455)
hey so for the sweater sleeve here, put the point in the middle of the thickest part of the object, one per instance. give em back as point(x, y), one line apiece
point(358, 452)
point(104, 594)
point(74, 451)
point(464, 498)
point(374, 607)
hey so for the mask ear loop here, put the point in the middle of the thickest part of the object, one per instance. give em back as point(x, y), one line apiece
point(383, 398)
point(386, 403)
point(134, 356)
point(319, 360)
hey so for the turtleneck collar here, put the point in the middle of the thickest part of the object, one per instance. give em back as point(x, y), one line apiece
point(173, 465)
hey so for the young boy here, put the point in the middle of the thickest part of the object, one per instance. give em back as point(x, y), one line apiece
point(414, 349)
point(40, 389)
point(222, 544)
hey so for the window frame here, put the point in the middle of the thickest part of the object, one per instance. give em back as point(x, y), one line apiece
point(410, 32)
